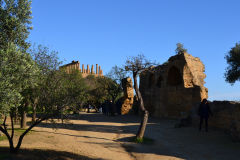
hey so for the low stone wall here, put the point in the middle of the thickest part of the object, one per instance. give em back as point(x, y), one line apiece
point(226, 116)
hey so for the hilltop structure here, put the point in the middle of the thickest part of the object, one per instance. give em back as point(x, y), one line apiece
point(75, 65)
point(171, 89)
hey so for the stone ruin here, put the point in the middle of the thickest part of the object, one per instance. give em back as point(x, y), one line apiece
point(75, 65)
point(173, 88)
point(128, 98)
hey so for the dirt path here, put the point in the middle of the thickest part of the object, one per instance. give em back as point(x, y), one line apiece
point(95, 136)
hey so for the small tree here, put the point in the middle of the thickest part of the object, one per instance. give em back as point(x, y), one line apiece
point(136, 65)
point(180, 49)
point(47, 61)
point(232, 73)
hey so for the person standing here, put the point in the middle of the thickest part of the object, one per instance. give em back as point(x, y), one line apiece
point(204, 112)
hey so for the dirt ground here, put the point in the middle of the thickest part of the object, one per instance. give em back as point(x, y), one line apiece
point(99, 137)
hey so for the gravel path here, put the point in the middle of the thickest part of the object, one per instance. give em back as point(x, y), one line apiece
point(95, 136)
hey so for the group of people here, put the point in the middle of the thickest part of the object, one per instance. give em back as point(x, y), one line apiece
point(109, 108)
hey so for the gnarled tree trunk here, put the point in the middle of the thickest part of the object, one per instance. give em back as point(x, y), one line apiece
point(144, 121)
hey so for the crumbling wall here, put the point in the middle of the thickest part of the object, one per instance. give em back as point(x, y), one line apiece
point(128, 98)
point(226, 116)
point(174, 87)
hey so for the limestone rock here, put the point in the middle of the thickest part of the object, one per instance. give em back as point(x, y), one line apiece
point(128, 95)
point(174, 87)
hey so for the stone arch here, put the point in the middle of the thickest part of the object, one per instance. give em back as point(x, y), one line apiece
point(151, 80)
point(159, 81)
point(174, 76)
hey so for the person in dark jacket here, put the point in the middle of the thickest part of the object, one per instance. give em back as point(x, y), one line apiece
point(204, 112)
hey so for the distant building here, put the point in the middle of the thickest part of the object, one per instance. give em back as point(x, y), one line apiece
point(75, 65)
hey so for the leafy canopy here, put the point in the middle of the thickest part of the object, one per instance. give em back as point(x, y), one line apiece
point(232, 73)
point(17, 72)
point(15, 23)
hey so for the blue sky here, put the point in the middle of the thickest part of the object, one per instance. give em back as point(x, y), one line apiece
point(105, 32)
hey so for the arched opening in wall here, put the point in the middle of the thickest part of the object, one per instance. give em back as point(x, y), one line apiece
point(151, 80)
point(159, 82)
point(174, 77)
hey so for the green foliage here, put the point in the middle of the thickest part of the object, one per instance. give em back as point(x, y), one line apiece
point(111, 88)
point(17, 72)
point(232, 73)
point(46, 59)
point(15, 23)
point(2, 138)
point(117, 74)
point(138, 140)
point(143, 140)
point(180, 49)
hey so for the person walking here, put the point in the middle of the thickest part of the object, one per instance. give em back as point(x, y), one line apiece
point(204, 112)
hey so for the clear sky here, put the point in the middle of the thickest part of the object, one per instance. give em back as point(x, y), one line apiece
point(105, 32)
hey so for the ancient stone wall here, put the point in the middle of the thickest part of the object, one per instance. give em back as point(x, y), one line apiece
point(226, 116)
point(75, 65)
point(174, 87)
point(128, 98)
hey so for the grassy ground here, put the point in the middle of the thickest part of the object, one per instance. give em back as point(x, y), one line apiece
point(2, 138)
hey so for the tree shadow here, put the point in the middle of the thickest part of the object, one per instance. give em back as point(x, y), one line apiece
point(88, 127)
point(39, 154)
point(98, 117)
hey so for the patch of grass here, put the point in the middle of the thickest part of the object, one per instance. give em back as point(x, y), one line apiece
point(20, 130)
point(143, 140)
point(3, 138)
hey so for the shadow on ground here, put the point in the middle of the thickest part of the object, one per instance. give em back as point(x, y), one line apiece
point(130, 123)
point(38, 154)
point(185, 142)
point(98, 117)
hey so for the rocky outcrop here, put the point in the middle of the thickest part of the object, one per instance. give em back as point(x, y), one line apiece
point(128, 95)
point(173, 88)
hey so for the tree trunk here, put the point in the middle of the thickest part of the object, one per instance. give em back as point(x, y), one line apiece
point(23, 119)
point(23, 122)
point(144, 121)
point(34, 115)
point(4, 130)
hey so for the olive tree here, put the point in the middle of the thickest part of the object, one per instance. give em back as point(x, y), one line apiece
point(17, 72)
point(232, 73)
point(15, 23)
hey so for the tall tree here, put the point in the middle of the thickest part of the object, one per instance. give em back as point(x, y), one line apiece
point(15, 23)
point(232, 73)
point(136, 65)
